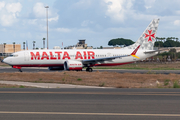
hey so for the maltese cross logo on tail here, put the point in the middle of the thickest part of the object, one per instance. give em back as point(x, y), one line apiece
point(150, 35)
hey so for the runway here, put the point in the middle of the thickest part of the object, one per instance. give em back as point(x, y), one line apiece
point(9, 69)
point(80, 104)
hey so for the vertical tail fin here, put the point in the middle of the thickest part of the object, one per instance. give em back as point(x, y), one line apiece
point(147, 39)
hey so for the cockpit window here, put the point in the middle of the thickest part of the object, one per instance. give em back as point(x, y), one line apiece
point(13, 56)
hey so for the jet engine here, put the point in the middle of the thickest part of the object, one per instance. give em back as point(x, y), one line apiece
point(73, 65)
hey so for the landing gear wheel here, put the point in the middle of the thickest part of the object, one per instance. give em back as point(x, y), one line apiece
point(20, 70)
point(89, 69)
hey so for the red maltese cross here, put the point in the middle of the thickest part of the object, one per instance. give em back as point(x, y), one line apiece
point(150, 35)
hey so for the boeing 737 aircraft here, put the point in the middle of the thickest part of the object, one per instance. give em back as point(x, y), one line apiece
point(77, 59)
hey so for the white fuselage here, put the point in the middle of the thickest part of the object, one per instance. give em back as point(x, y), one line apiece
point(49, 58)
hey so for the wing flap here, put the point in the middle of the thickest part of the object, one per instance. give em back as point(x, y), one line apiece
point(114, 57)
point(104, 59)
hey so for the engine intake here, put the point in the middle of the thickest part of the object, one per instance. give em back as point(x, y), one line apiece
point(73, 65)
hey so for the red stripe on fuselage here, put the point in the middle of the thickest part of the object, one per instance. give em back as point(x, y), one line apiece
point(40, 65)
point(56, 65)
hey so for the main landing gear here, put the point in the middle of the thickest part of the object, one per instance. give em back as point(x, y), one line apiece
point(88, 69)
point(20, 70)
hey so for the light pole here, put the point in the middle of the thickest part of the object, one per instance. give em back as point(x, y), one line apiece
point(47, 22)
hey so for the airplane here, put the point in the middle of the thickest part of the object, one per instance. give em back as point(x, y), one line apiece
point(77, 59)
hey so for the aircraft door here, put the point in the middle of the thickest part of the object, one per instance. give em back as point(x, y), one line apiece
point(26, 56)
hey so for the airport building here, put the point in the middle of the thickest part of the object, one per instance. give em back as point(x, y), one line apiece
point(80, 45)
point(7, 49)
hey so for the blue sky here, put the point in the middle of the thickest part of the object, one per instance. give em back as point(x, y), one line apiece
point(97, 21)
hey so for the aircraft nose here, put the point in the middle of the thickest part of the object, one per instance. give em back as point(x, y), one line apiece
point(4, 60)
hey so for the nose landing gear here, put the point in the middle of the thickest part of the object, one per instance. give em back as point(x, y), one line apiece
point(17, 67)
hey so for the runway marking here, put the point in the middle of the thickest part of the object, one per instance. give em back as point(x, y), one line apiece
point(97, 93)
point(104, 114)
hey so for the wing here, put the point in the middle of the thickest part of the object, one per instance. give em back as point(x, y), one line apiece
point(103, 59)
point(110, 58)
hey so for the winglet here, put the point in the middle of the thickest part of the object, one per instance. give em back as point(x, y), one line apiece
point(134, 52)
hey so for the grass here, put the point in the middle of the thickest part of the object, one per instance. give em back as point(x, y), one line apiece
point(176, 84)
point(166, 82)
point(79, 79)
point(21, 86)
point(108, 79)
point(136, 68)
point(102, 84)
point(13, 86)
point(146, 66)
point(151, 72)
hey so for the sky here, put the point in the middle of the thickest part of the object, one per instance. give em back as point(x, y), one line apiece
point(97, 21)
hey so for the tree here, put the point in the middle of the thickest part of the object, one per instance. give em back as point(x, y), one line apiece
point(34, 44)
point(173, 53)
point(120, 41)
point(159, 44)
point(14, 46)
point(157, 38)
point(177, 39)
point(169, 43)
point(44, 42)
point(24, 45)
point(4, 47)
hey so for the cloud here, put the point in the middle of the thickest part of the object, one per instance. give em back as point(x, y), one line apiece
point(39, 10)
point(83, 4)
point(117, 9)
point(97, 21)
point(9, 13)
point(2, 4)
point(149, 3)
point(14, 7)
point(86, 23)
point(7, 20)
point(178, 12)
point(177, 22)
point(66, 30)
point(53, 18)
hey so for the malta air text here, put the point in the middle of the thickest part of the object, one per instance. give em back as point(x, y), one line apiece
point(61, 55)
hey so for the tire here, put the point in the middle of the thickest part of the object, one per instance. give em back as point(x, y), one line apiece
point(89, 69)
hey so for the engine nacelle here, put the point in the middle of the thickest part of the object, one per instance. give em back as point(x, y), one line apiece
point(56, 68)
point(73, 65)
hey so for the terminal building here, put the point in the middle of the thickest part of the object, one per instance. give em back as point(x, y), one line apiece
point(7, 49)
point(80, 45)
